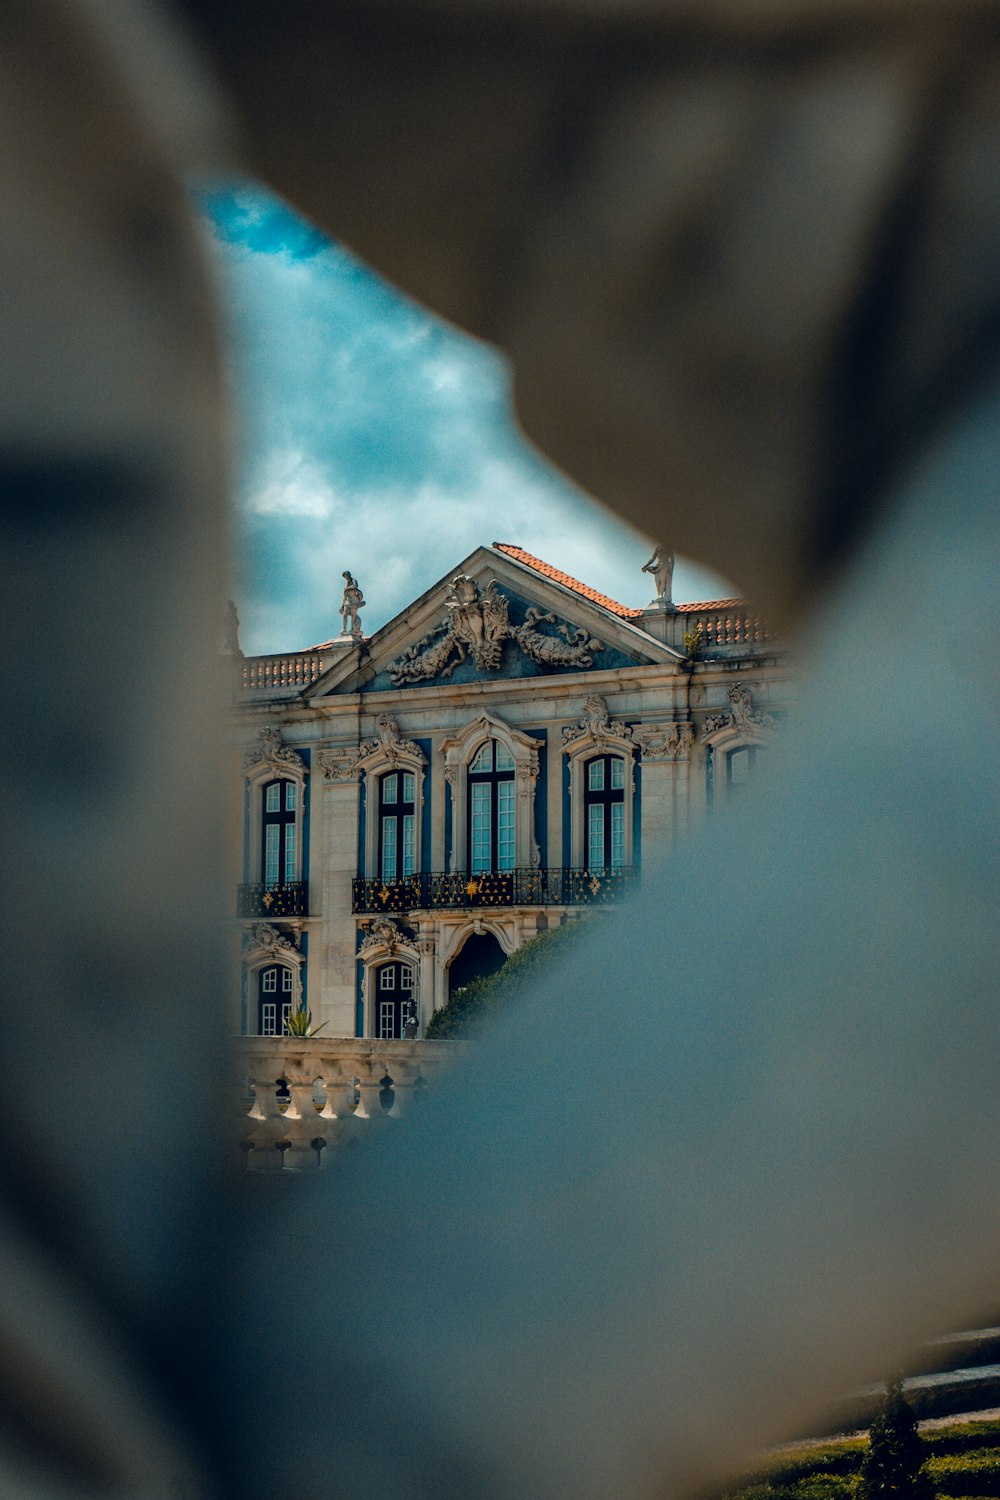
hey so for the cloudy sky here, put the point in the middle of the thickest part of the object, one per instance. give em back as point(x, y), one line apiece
point(376, 438)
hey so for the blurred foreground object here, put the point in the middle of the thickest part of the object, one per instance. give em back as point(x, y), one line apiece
point(744, 258)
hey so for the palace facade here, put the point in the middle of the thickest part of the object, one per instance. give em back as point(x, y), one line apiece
point(503, 756)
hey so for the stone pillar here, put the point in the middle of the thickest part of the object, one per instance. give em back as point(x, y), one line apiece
point(427, 986)
point(339, 843)
point(666, 752)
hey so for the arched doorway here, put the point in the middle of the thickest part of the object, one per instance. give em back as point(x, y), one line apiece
point(481, 955)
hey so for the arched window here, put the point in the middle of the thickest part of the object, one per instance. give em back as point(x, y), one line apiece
point(278, 832)
point(604, 811)
point(394, 999)
point(491, 809)
point(397, 824)
point(275, 989)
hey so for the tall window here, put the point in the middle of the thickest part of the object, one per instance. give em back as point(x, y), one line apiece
point(604, 810)
point(396, 824)
point(274, 999)
point(278, 832)
point(491, 809)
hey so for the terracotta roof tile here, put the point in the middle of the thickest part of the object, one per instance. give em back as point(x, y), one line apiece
point(558, 576)
point(690, 609)
point(622, 610)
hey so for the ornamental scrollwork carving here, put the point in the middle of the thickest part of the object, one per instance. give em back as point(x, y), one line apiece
point(741, 718)
point(340, 763)
point(664, 741)
point(389, 746)
point(272, 751)
point(381, 932)
point(575, 649)
point(262, 936)
point(597, 726)
point(476, 626)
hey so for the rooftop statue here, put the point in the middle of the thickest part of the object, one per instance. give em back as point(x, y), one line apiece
point(352, 603)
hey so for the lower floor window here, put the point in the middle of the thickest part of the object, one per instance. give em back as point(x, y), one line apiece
point(394, 999)
point(275, 985)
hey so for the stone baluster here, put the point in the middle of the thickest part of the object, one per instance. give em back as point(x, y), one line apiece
point(370, 1071)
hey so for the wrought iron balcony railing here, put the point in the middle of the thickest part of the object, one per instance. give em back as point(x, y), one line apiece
point(464, 889)
point(288, 900)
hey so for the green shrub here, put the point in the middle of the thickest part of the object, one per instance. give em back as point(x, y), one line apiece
point(892, 1467)
point(532, 964)
point(971, 1473)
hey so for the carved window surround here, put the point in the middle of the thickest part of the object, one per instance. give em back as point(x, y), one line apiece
point(272, 760)
point(386, 752)
point(459, 752)
point(383, 942)
point(596, 734)
point(741, 726)
point(264, 945)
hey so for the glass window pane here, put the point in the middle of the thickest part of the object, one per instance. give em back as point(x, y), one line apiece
point(595, 775)
point(505, 761)
point(269, 1019)
point(386, 1018)
point(272, 837)
point(409, 786)
point(289, 796)
point(387, 977)
point(617, 773)
point(270, 980)
point(484, 760)
point(408, 865)
point(481, 845)
point(388, 848)
point(406, 978)
point(595, 836)
point(290, 852)
point(286, 980)
point(271, 795)
point(505, 825)
point(286, 1011)
point(617, 835)
point(390, 786)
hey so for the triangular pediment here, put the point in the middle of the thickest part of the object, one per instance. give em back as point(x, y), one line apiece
point(492, 618)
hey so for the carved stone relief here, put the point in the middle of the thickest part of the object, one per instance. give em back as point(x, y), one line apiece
point(597, 726)
point(263, 936)
point(381, 932)
point(340, 763)
point(476, 626)
point(664, 741)
point(389, 746)
point(272, 751)
point(742, 718)
point(343, 762)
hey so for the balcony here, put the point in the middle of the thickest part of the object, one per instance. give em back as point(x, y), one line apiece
point(466, 890)
point(268, 901)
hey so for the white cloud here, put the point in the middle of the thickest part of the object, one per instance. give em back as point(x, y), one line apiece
point(288, 483)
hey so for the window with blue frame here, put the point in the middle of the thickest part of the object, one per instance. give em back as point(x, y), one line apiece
point(491, 809)
point(604, 812)
point(397, 824)
point(278, 852)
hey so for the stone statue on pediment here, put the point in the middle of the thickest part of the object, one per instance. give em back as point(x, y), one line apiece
point(353, 602)
point(661, 567)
